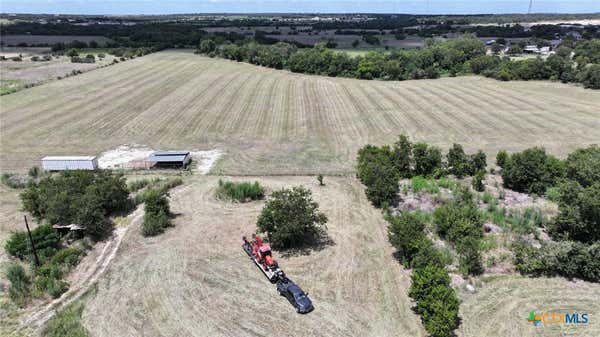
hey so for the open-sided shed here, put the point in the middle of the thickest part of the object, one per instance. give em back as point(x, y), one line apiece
point(170, 158)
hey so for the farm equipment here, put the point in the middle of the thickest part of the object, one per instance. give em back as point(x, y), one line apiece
point(261, 255)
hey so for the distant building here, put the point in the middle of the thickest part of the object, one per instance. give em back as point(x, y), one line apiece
point(531, 49)
point(170, 158)
point(63, 163)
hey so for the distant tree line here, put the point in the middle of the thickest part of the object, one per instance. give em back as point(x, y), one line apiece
point(454, 57)
point(428, 62)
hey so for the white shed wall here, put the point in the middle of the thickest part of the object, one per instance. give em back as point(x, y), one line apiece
point(61, 165)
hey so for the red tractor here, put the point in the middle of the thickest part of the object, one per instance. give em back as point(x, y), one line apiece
point(261, 255)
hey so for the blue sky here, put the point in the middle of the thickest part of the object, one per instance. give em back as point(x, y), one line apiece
point(296, 6)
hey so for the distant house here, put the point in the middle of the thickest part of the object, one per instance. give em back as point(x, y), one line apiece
point(170, 158)
point(531, 49)
point(490, 42)
point(63, 163)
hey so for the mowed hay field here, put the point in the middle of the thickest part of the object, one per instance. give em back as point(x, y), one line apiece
point(501, 307)
point(276, 122)
point(195, 280)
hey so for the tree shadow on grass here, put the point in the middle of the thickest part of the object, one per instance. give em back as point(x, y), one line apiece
point(321, 243)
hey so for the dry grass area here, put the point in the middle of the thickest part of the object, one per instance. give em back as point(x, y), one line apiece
point(195, 280)
point(501, 307)
point(275, 122)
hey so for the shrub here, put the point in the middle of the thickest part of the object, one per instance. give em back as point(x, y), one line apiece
point(590, 76)
point(137, 185)
point(470, 262)
point(402, 157)
point(458, 162)
point(405, 233)
point(583, 165)
point(241, 192)
point(291, 218)
point(156, 213)
point(501, 158)
point(13, 181)
point(439, 311)
point(427, 159)
point(478, 181)
point(320, 180)
point(579, 213)
point(377, 172)
point(43, 236)
point(532, 171)
point(566, 258)
point(34, 172)
point(19, 284)
point(426, 278)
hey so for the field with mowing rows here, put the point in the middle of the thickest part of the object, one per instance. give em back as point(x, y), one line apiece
point(276, 122)
point(195, 279)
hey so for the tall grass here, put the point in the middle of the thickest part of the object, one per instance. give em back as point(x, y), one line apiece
point(67, 323)
point(156, 184)
point(420, 183)
point(241, 192)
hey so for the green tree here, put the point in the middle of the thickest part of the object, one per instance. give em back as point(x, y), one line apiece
point(532, 171)
point(502, 158)
point(291, 218)
point(405, 233)
point(458, 162)
point(583, 165)
point(427, 159)
point(402, 156)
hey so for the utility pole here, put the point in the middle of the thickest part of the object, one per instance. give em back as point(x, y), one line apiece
point(530, 6)
point(37, 260)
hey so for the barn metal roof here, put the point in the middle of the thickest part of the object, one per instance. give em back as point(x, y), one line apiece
point(69, 158)
point(168, 156)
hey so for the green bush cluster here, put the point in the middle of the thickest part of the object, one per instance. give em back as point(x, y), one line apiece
point(291, 218)
point(45, 239)
point(437, 303)
point(460, 222)
point(565, 258)
point(156, 213)
point(532, 171)
point(380, 168)
point(461, 164)
point(241, 192)
point(81, 197)
point(20, 283)
point(579, 213)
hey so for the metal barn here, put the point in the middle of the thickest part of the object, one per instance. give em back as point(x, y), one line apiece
point(62, 163)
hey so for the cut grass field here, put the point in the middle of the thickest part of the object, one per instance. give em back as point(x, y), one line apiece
point(275, 122)
point(195, 280)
